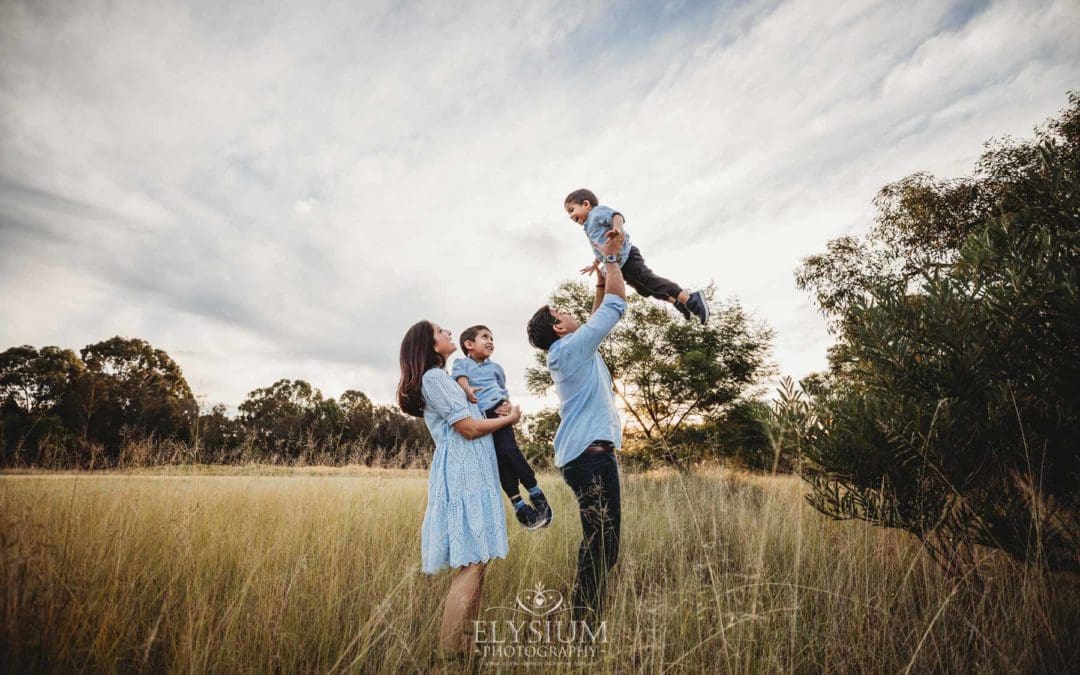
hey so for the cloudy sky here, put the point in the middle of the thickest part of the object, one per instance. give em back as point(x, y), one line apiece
point(270, 190)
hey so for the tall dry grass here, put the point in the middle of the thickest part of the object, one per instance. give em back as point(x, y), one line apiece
point(319, 571)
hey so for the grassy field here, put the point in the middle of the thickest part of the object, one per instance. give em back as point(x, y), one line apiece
point(318, 570)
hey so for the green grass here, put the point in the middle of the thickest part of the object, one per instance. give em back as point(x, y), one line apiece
point(194, 570)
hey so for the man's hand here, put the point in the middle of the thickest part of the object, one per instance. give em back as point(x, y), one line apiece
point(613, 278)
point(613, 244)
point(616, 226)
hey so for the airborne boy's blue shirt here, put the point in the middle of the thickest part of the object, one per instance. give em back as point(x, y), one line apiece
point(485, 377)
point(597, 224)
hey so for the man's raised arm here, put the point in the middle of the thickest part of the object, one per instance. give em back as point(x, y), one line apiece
point(613, 279)
point(593, 331)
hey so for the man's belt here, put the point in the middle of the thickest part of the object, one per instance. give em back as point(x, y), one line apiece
point(600, 446)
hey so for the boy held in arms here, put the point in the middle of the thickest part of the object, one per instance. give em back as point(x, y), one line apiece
point(484, 383)
point(601, 223)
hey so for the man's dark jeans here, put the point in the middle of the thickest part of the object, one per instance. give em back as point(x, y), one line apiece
point(594, 478)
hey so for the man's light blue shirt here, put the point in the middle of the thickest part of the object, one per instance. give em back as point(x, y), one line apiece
point(597, 224)
point(485, 377)
point(587, 404)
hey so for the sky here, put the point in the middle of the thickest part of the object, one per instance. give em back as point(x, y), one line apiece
point(279, 190)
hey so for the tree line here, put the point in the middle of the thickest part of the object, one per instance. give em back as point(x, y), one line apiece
point(121, 402)
point(689, 391)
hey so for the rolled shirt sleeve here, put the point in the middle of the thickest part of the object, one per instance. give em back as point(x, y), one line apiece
point(444, 397)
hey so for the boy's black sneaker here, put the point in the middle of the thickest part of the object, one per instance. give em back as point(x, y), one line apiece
point(696, 304)
point(683, 310)
point(543, 508)
point(529, 518)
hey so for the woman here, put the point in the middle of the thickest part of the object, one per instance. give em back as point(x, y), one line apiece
point(464, 525)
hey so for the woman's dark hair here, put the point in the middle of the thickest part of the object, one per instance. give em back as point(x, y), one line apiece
point(541, 329)
point(469, 335)
point(580, 196)
point(418, 356)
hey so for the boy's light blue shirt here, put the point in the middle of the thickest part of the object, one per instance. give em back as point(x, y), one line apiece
point(597, 224)
point(587, 405)
point(485, 377)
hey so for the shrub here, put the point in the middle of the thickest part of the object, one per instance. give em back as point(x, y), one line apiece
point(952, 409)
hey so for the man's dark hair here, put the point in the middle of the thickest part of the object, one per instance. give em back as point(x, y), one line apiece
point(580, 197)
point(469, 335)
point(541, 329)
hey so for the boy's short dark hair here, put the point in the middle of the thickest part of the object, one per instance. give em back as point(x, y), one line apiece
point(541, 329)
point(469, 335)
point(580, 197)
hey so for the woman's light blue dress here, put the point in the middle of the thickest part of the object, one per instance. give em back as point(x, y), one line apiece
point(464, 522)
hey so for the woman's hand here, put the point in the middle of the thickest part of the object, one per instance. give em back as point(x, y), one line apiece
point(503, 410)
point(471, 427)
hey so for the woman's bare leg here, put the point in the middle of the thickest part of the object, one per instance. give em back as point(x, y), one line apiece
point(462, 607)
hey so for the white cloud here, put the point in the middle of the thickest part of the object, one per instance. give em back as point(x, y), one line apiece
point(282, 193)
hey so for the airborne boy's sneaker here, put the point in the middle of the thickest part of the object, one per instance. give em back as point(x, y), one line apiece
point(696, 304)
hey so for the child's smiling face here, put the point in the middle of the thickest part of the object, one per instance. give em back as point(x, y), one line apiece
point(482, 346)
point(578, 212)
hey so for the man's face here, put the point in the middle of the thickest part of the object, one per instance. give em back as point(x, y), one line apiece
point(565, 322)
point(482, 346)
point(578, 212)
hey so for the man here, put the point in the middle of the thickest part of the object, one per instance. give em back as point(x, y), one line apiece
point(590, 430)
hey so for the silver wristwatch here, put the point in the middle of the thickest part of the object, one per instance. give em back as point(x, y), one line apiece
point(611, 258)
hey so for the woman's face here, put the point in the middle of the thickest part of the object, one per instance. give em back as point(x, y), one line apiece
point(444, 344)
